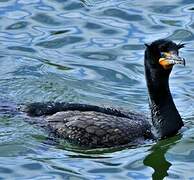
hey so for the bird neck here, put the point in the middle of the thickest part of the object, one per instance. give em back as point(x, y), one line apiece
point(165, 116)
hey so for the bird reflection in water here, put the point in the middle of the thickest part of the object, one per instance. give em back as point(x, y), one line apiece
point(157, 160)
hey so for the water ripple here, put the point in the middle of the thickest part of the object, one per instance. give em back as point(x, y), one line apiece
point(91, 52)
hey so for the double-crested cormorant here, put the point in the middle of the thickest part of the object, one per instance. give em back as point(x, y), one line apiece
point(94, 126)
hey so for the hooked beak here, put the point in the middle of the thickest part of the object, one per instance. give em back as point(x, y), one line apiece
point(169, 59)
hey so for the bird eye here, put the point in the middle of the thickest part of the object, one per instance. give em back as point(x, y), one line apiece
point(162, 54)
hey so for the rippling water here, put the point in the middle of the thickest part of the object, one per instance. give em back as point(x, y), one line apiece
point(91, 51)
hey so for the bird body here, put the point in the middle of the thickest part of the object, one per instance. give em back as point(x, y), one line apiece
point(91, 126)
point(96, 129)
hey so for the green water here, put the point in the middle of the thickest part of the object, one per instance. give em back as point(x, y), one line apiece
point(91, 52)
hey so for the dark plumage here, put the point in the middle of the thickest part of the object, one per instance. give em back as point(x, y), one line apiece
point(94, 126)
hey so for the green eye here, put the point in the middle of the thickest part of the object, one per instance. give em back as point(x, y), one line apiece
point(162, 54)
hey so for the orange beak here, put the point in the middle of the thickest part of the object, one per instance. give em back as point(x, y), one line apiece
point(169, 59)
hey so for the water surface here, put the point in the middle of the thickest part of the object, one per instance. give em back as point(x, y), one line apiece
point(91, 52)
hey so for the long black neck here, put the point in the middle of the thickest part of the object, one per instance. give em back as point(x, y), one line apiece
point(165, 116)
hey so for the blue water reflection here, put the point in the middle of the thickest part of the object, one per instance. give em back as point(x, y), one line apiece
point(91, 52)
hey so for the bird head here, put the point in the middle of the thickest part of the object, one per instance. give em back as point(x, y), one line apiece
point(163, 54)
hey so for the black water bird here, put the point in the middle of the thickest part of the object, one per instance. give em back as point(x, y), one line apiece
point(94, 126)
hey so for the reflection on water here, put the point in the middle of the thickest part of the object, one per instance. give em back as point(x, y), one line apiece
point(91, 52)
point(157, 160)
